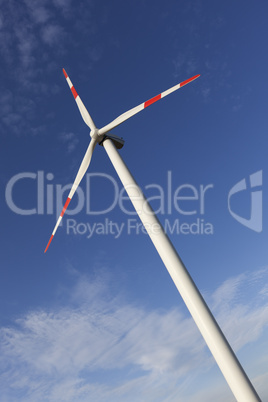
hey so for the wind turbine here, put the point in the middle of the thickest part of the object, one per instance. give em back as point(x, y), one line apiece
point(228, 363)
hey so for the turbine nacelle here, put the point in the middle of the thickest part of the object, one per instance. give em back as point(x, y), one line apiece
point(99, 138)
point(118, 141)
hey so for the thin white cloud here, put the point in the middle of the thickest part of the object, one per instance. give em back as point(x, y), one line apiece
point(71, 141)
point(64, 6)
point(99, 347)
point(39, 11)
point(33, 33)
point(52, 34)
point(242, 317)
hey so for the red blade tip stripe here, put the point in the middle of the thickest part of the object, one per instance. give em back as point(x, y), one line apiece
point(48, 243)
point(152, 100)
point(75, 94)
point(65, 206)
point(65, 74)
point(189, 80)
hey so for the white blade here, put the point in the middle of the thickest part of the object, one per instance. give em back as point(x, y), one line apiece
point(123, 117)
point(84, 113)
point(82, 170)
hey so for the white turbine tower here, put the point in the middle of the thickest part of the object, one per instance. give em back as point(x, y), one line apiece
point(228, 363)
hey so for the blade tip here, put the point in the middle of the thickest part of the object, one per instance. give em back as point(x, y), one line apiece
point(48, 244)
point(189, 80)
point(65, 74)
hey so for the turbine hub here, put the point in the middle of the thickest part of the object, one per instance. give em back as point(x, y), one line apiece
point(95, 134)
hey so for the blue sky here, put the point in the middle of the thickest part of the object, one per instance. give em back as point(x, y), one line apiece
point(99, 318)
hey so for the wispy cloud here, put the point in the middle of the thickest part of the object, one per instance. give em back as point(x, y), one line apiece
point(242, 315)
point(25, 39)
point(52, 34)
point(99, 347)
point(70, 140)
point(33, 34)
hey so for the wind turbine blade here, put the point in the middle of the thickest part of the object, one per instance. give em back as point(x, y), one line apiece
point(81, 172)
point(123, 117)
point(84, 113)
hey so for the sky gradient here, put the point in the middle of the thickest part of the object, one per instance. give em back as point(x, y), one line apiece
point(97, 317)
